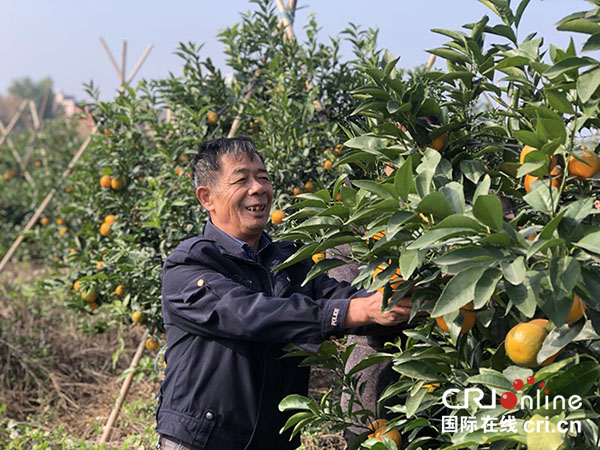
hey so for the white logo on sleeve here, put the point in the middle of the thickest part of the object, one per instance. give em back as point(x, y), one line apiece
point(334, 316)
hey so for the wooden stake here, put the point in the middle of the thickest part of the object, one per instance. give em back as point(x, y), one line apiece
point(139, 64)
point(110, 56)
point(44, 203)
point(124, 390)
point(430, 63)
point(123, 59)
point(34, 116)
point(13, 121)
point(42, 111)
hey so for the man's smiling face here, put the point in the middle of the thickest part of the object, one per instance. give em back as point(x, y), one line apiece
point(239, 202)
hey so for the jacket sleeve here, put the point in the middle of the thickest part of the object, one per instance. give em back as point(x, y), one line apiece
point(200, 299)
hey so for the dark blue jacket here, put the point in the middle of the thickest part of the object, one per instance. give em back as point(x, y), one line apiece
point(226, 318)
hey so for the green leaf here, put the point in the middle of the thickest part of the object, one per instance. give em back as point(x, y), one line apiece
point(544, 198)
point(370, 360)
point(306, 251)
point(450, 55)
point(579, 26)
point(590, 242)
point(374, 188)
point(514, 272)
point(322, 267)
point(486, 287)
point(587, 83)
point(522, 298)
point(426, 171)
point(397, 220)
point(557, 339)
point(578, 379)
point(366, 143)
point(404, 180)
point(459, 291)
point(593, 43)
point(529, 138)
point(520, 11)
point(453, 192)
point(567, 65)
point(472, 169)
point(294, 401)
point(432, 237)
point(551, 226)
point(482, 188)
point(459, 221)
point(409, 261)
point(559, 101)
point(414, 401)
point(488, 210)
point(435, 203)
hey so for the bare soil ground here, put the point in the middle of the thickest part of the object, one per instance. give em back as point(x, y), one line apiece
point(55, 375)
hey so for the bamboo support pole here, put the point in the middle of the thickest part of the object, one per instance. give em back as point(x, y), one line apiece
point(13, 121)
point(430, 63)
point(110, 56)
point(34, 116)
point(42, 111)
point(124, 390)
point(123, 59)
point(45, 202)
point(251, 86)
point(139, 64)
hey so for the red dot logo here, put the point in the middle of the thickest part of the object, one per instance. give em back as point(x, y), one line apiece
point(518, 384)
point(508, 400)
point(530, 380)
point(542, 385)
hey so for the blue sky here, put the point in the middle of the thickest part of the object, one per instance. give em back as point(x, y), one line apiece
point(60, 38)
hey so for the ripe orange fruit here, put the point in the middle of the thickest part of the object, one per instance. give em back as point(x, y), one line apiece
point(339, 149)
point(379, 426)
point(278, 89)
point(431, 387)
point(110, 219)
point(117, 183)
point(581, 169)
point(212, 118)
point(105, 229)
point(105, 181)
point(380, 268)
point(44, 221)
point(377, 236)
point(179, 171)
point(326, 151)
point(529, 148)
point(277, 216)
point(63, 231)
point(89, 297)
point(439, 142)
point(523, 342)
point(93, 306)
point(327, 164)
point(120, 290)
point(6, 176)
point(138, 317)
point(37, 164)
point(68, 190)
point(542, 323)
point(100, 265)
point(60, 221)
point(318, 257)
point(297, 191)
point(556, 174)
point(338, 197)
point(577, 309)
point(309, 186)
point(152, 344)
point(107, 132)
point(72, 250)
point(76, 285)
point(468, 319)
point(529, 179)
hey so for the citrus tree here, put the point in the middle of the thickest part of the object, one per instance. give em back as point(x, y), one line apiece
point(489, 222)
point(45, 155)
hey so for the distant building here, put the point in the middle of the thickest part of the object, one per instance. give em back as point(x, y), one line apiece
point(70, 109)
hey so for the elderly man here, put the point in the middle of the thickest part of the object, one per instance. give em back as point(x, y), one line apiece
point(227, 315)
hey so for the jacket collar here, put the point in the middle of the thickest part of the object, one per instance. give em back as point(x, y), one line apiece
point(226, 242)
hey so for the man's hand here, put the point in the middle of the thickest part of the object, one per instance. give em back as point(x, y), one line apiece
point(367, 310)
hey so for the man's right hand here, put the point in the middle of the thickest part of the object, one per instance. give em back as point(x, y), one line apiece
point(367, 311)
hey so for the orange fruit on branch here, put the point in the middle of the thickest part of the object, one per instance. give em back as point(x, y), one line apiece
point(138, 317)
point(120, 290)
point(379, 431)
point(44, 221)
point(105, 181)
point(439, 142)
point(152, 344)
point(117, 183)
point(468, 319)
point(523, 343)
point(105, 229)
point(318, 257)
point(277, 217)
point(297, 191)
point(212, 118)
point(577, 309)
point(309, 186)
point(110, 219)
point(393, 283)
point(327, 164)
point(586, 168)
point(542, 323)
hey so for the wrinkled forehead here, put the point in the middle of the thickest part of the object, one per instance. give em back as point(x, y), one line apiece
point(240, 160)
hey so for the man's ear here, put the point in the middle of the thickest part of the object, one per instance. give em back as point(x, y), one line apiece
point(204, 196)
